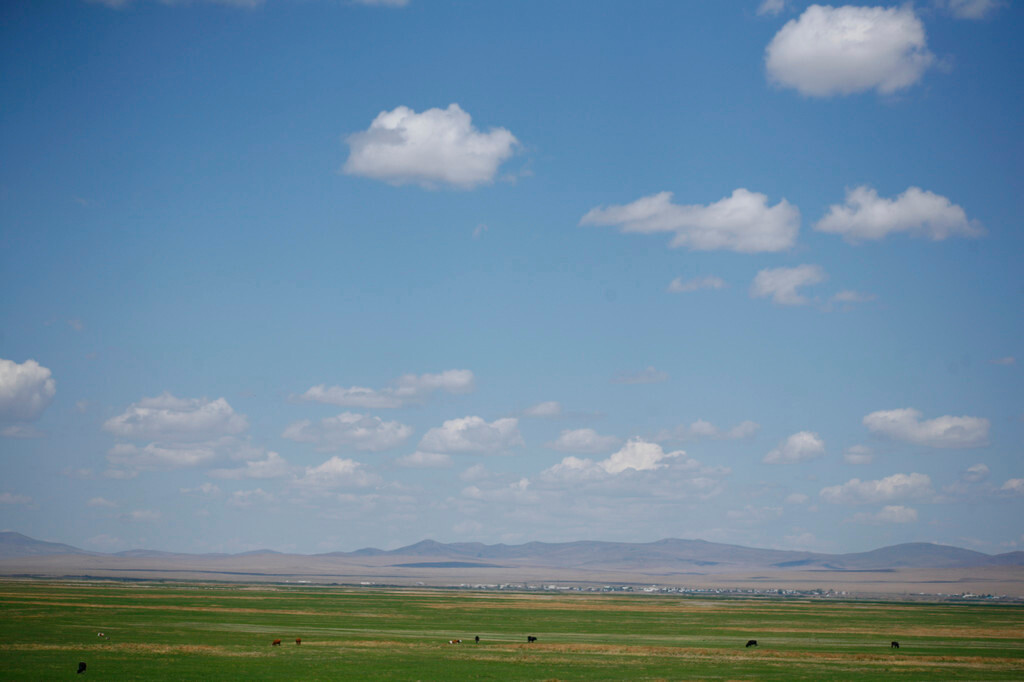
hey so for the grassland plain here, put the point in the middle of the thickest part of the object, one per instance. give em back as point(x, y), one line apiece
point(220, 631)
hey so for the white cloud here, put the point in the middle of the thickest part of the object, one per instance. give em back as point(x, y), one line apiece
point(13, 498)
point(858, 454)
point(637, 454)
point(25, 390)
point(144, 515)
point(888, 514)
point(942, 432)
point(583, 440)
point(337, 473)
point(916, 212)
point(349, 430)
point(741, 222)
point(895, 487)
point(101, 502)
point(1014, 486)
point(976, 473)
point(472, 435)
point(971, 9)
point(796, 498)
point(436, 147)
point(21, 431)
point(799, 447)
point(383, 3)
point(177, 420)
point(844, 50)
point(271, 466)
point(408, 388)
point(550, 408)
point(425, 460)
point(648, 375)
point(1008, 361)
point(678, 286)
point(771, 7)
point(782, 283)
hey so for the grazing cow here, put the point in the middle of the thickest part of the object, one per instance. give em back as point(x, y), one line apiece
point(894, 645)
point(751, 642)
point(478, 639)
point(81, 667)
point(531, 638)
point(298, 640)
point(100, 634)
point(276, 642)
point(455, 641)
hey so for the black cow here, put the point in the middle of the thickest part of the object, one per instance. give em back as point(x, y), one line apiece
point(81, 667)
point(531, 638)
point(478, 639)
point(894, 645)
point(751, 642)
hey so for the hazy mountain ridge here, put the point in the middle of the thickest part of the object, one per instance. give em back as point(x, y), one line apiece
point(670, 554)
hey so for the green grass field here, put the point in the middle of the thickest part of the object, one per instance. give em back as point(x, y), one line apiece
point(191, 632)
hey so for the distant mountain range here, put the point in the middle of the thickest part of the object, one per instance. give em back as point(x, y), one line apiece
point(664, 556)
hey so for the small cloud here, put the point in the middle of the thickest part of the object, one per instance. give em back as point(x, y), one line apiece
point(76, 324)
point(976, 473)
point(771, 7)
point(781, 284)
point(971, 9)
point(916, 212)
point(82, 406)
point(796, 498)
point(472, 435)
point(858, 454)
point(649, 375)
point(942, 432)
point(742, 222)
point(848, 296)
point(1008, 361)
point(23, 431)
point(890, 488)
point(205, 490)
point(425, 460)
point(1014, 486)
point(102, 503)
point(799, 447)
point(845, 50)
point(583, 440)
point(887, 515)
point(479, 230)
point(143, 515)
point(678, 286)
point(432, 148)
point(12, 498)
point(244, 499)
point(550, 408)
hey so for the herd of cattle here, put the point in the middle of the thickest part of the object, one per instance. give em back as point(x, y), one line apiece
point(529, 639)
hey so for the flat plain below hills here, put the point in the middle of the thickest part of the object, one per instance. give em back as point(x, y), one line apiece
point(901, 570)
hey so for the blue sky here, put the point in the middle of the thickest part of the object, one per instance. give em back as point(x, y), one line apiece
point(318, 275)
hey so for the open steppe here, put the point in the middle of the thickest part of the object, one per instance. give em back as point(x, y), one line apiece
point(224, 631)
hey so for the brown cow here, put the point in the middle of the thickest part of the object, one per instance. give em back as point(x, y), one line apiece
point(276, 642)
point(298, 640)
